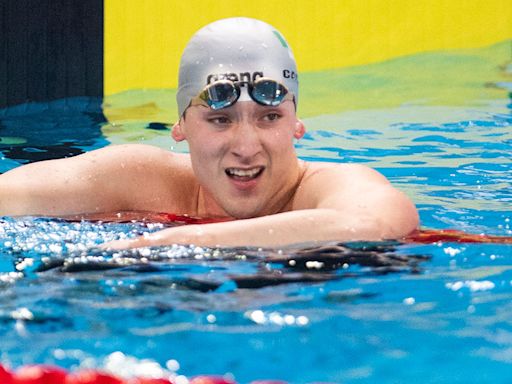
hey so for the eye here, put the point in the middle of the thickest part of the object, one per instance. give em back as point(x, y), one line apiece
point(272, 116)
point(219, 120)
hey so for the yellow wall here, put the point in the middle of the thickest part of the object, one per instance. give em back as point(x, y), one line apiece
point(144, 39)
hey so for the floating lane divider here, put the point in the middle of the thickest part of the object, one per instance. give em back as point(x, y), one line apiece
point(46, 374)
point(428, 236)
point(423, 236)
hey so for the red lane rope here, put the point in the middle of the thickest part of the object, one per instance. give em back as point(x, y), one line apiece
point(47, 374)
point(428, 236)
point(181, 219)
point(146, 217)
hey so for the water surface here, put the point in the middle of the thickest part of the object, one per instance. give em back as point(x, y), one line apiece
point(437, 125)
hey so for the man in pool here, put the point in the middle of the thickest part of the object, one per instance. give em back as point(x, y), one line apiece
point(237, 99)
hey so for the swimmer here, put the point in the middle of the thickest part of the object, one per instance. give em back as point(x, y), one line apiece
point(237, 100)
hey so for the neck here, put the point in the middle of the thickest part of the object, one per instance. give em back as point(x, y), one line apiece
point(207, 206)
point(285, 201)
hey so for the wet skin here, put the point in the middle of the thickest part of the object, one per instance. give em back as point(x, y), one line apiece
point(242, 164)
point(243, 157)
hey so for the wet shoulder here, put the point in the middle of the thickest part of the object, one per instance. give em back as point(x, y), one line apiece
point(157, 179)
point(323, 179)
point(129, 152)
point(341, 172)
point(133, 156)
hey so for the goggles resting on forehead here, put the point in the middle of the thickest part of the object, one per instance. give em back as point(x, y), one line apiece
point(224, 93)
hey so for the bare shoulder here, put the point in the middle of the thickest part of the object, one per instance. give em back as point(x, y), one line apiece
point(340, 175)
point(130, 160)
point(121, 177)
point(151, 178)
point(147, 178)
point(343, 185)
point(362, 197)
point(125, 159)
point(134, 153)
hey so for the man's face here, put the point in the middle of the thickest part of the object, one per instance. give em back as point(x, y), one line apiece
point(243, 155)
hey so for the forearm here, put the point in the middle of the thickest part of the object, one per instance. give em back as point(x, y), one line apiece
point(304, 226)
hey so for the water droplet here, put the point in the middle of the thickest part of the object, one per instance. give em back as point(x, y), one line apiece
point(409, 301)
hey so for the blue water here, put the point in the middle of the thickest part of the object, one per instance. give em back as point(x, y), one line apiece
point(387, 313)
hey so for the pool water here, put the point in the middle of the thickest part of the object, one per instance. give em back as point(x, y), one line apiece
point(341, 313)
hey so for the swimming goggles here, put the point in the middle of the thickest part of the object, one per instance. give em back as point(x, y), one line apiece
point(224, 93)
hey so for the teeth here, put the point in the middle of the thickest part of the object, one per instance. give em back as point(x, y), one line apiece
point(243, 172)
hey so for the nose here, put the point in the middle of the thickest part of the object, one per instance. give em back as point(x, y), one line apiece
point(246, 142)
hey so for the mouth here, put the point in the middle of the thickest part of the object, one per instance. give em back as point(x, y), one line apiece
point(240, 174)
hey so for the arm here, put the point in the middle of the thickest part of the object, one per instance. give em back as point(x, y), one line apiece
point(333, 204)
point(105, 180)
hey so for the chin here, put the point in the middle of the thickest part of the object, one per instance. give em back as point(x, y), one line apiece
point(242, 215)
point(238, 213)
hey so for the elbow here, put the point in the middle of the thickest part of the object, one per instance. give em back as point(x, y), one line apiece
point(394, 220)
point(402, 220)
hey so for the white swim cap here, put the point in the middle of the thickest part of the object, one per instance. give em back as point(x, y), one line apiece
point(236, 49)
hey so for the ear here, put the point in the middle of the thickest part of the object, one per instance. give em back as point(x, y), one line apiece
point(177, 132)
point(300, 129)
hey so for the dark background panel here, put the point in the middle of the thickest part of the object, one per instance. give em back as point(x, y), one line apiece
point(94, 48)
point(50, 49)
point(3, 50)
point(16, 54)
point(36, 50)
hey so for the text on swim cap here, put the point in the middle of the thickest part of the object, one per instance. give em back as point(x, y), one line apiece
point(289, 74)
point(235, 77)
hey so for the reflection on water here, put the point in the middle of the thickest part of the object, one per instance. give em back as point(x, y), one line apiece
point(42, 131)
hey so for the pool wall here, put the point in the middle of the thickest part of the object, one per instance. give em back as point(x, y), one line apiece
point(57, 49)
point(144, 40)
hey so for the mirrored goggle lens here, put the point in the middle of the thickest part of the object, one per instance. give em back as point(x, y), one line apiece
point(220, 95)
point(268, 92)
